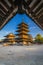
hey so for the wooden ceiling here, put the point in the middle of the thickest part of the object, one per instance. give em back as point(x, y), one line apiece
point(32, 8)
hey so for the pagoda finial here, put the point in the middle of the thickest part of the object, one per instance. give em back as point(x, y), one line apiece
point(23, 20)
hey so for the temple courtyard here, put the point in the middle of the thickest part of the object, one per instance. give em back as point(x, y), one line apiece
point(21, 55)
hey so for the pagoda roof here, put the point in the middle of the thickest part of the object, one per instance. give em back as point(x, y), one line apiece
point(26, 39)
point(20, 40)
point(22, 26)
point(21, 34)
point(23, 23)
point(10, 35)
point(20, 30)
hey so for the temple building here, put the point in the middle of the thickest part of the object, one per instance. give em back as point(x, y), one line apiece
point(32, 8)
point(22, 36)
point(9, 39)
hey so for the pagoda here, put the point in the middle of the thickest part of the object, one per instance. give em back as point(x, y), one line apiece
point(9, 39)
point(22, 36)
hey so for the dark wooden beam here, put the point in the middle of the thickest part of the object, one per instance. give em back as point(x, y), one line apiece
point(38, 9)
point(3, 8)
point(35, 4)
point(39, 14)
point(11, 2)
point(5, 4)
point(1, 18)
point(1, 14)
point(29, 1)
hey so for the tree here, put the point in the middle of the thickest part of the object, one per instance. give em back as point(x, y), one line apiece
point(42, 40)
point(39, 39)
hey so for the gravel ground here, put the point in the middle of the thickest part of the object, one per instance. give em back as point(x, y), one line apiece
point(21, 55)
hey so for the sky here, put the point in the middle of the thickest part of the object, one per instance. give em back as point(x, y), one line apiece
point(11, 26)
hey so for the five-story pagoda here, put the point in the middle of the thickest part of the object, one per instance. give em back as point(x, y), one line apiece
point(22, 36)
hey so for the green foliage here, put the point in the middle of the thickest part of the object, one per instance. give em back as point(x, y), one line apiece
point(39, 39)
point(42, 39)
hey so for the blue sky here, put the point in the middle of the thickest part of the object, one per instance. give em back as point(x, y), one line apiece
point(11, 26)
